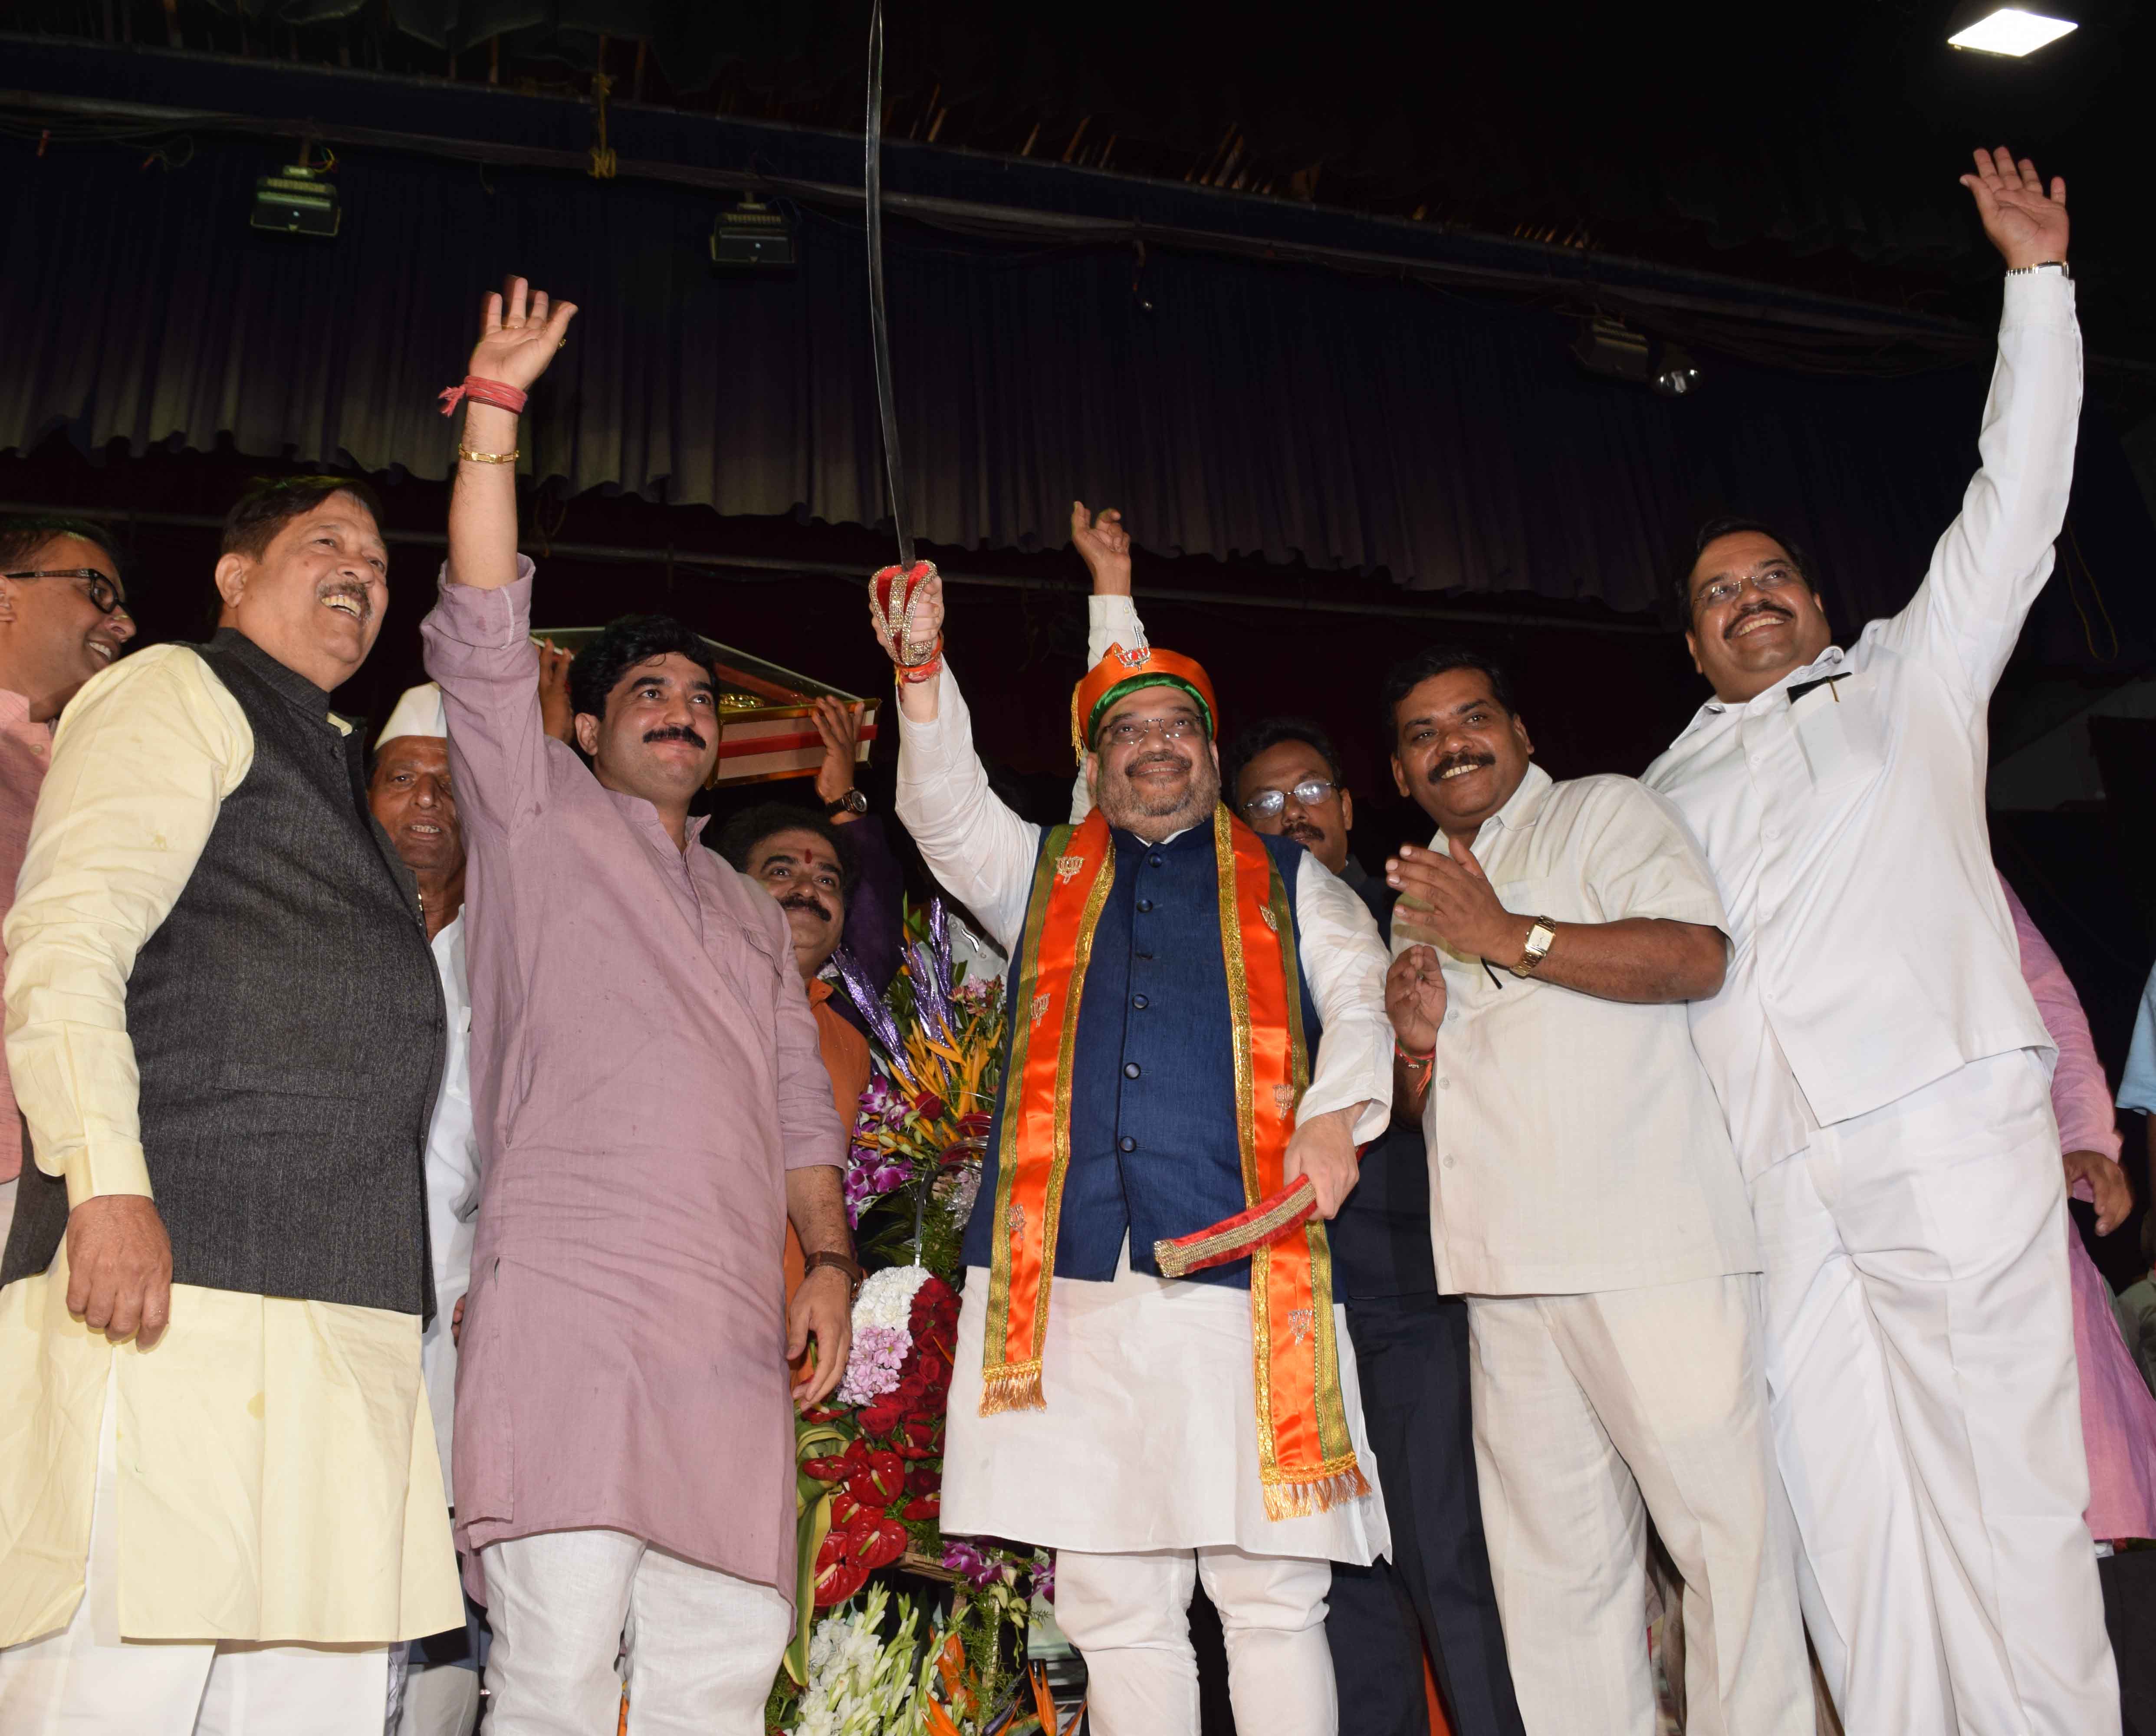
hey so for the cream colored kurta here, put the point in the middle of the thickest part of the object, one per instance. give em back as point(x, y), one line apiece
point(278, 1479)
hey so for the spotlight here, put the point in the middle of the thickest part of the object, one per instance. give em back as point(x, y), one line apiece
point(297, 201)
point(2012, 30)
point(753, 234)
point(1675, 374)
point(1615, 351)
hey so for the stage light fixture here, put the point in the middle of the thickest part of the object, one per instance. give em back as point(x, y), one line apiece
point(2011, 30)
point(1615, 351)
point(1612, 349)
point(752, 235)
point(297, 201)
point(1675, 374)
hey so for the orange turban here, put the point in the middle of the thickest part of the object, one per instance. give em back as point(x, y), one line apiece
point(1122, 672)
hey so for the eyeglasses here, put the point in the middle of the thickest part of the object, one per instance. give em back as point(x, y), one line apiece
point(1267, 803)
point(1129, 731)
point(105, 596)
point(1728, 590)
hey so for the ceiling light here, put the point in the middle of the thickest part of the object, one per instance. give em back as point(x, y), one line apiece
point(2011, 30)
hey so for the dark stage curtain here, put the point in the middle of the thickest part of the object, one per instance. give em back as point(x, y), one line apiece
point(1229, 407)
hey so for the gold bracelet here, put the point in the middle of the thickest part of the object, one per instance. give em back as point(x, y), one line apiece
point(469, 456)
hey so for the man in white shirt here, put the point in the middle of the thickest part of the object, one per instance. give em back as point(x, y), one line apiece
point(1134, 1438)
point(1584, 1198)
point(408, 792)
point(1885, 1073)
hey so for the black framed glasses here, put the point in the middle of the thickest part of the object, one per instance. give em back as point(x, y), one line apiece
point(1267, 803)
point(104, 591)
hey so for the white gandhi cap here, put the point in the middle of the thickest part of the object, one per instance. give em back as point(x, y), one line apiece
point(418, 712)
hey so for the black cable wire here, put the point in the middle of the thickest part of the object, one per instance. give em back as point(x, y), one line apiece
point(879, 329)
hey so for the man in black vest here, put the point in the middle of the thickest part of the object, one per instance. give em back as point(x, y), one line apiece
point(225, 1031)
point(1410, 1341)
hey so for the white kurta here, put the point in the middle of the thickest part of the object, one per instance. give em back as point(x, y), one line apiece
point(1149, 1439)
point(452, 1191)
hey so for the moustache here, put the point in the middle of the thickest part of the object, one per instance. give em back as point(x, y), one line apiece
point(805, 901)
point(1739, 618)
point(1302, 828)
point(346, 588)
point(1453, 761)
point(674, 732)
point(1158, 757)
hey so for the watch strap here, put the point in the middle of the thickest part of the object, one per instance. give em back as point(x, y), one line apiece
point(1544, 930)
point(843, 1262)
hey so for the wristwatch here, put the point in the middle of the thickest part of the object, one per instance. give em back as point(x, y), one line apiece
point(843, 1262)
point(853, 802)
point(1539, 945)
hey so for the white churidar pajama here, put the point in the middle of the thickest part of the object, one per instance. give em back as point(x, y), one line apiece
point(1593, 1413)
point(1129, 1616)
point(86, 1679)
point(703, 1645)
point(1926, 1411)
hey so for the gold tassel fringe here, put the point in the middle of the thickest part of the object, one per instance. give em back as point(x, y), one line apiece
point(1014, 1386)
point(1302, 1498)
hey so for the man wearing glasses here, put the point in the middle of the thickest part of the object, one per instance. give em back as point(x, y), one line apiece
point(1410, 1341)
point(1885, 1071)
point(63, 618)
point(1169, 975)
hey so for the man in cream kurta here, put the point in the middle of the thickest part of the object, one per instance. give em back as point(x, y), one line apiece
point(1584, 1198)
point(1143, 1467)
point(250, 1479)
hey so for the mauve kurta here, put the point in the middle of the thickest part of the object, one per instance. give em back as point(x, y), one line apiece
point(644, 1072)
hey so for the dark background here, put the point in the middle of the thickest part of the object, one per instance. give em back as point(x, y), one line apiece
point(1298, 292)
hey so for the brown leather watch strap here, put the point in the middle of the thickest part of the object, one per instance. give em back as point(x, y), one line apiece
point(843, 1262)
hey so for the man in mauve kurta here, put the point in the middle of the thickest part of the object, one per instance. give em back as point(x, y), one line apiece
point(652, 1108)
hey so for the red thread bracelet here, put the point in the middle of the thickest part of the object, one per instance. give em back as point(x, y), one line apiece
point(1412, 1059)
point(486, 391)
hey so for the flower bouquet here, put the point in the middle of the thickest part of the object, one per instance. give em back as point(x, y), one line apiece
point(869, 1471)
point(923, 1128)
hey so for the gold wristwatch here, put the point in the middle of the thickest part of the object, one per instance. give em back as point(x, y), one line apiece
point(1538, 948)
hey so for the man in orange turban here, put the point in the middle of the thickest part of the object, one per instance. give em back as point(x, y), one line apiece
point(1196, 1020)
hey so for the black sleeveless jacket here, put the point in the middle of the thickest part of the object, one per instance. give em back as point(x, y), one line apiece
point(288, 1025)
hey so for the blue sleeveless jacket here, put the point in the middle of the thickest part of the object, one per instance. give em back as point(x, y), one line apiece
point(1153, 1150)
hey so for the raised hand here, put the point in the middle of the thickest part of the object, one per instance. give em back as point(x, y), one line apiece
point(2025, 224)
point(1104, 547)
point(923, 620)
point(519, 336)
point(556, 713)
point(839, 724)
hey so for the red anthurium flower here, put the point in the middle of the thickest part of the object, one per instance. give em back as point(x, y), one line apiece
point(875, 1540)
point(925, 1507)
point(887, 1473)
point(838, 1581)
point(844, 1505)
point(828, 1470)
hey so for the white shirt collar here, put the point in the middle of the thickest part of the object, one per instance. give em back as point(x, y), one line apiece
point(1832, 658)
